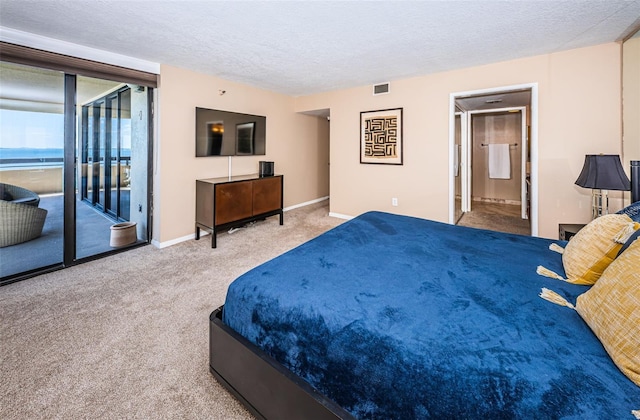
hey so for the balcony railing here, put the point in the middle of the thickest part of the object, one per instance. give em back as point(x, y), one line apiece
point(44, 175)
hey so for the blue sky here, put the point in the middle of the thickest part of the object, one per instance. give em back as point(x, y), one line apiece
point(37, 130)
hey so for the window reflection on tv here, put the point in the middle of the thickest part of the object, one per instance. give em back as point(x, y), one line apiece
point(224, 133)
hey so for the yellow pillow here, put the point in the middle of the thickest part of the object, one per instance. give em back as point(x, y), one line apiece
point(594, 247)
point(612, 310)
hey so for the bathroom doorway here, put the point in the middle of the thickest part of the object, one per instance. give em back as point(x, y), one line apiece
point(493, 159)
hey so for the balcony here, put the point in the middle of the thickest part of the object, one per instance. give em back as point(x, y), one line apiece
point(44, 177)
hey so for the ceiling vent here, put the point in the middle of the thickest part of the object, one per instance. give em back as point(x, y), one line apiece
point(381, 89)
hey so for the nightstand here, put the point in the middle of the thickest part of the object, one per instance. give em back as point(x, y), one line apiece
point(567, 230)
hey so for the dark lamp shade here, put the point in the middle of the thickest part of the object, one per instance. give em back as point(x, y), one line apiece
point(603, 172)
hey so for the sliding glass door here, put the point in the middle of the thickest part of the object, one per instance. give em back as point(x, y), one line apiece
point(113, 155)
point(31, 168)
point(69, 142)
point(106, 153)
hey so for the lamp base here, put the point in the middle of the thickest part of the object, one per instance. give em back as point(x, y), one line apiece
point(599, 203)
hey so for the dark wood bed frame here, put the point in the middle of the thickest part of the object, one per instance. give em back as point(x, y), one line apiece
point(265, 387)
point(268, 389)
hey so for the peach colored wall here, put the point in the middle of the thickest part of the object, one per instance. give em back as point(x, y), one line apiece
point(579, 113)
point(631, 99)
point(296, 143)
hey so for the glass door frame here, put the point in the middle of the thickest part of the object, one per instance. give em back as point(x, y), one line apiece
point(98, 130)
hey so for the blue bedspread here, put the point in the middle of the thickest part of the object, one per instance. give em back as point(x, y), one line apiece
point(399, 317)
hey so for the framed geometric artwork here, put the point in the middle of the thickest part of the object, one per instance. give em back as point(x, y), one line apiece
point(381, 136)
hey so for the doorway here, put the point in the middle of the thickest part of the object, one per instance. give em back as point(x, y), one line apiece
point(322, 156)
point(494, 129)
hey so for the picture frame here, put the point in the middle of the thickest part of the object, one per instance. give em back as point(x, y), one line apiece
point(381, 139)
point(245, 136)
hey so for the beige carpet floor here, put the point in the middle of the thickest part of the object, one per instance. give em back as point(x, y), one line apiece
point(126, 337)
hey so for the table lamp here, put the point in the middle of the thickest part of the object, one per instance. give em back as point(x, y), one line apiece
point(602, 173)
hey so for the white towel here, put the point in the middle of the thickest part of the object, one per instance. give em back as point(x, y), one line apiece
point(499, 161)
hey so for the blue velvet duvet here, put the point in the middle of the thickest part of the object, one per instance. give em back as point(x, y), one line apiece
point(395, 317)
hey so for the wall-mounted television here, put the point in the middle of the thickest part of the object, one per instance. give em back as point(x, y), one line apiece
point(224, 133)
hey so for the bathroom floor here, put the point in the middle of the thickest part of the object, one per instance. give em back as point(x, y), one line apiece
point(496, 216)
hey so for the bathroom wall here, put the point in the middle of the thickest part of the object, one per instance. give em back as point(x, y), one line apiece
point(498, 128)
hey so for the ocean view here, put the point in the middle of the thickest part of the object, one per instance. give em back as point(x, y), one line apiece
point(29, 153)
point(21, 156)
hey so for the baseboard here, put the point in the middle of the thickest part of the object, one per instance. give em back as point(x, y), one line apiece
point(496, 201)
point(165, 244)
point(306, 203)
point(340, 216)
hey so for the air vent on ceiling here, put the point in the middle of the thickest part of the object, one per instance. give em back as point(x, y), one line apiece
point(381, 89)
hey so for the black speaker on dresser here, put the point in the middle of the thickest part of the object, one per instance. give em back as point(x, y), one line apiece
point(266, 168)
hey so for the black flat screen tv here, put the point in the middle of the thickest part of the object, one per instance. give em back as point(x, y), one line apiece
point(224, 133)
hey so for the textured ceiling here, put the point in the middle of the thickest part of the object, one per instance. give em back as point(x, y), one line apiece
point(300, 48)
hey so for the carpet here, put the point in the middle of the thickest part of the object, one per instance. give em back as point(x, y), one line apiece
point(126, 336)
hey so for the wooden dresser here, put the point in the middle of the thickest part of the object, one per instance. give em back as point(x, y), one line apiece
point(224, 203)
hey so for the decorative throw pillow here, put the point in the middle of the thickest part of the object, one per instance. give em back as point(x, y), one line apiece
point(632, 210)
point(595, 246)
point(611, 308)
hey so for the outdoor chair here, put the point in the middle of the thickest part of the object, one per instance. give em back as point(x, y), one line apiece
point(21, 219)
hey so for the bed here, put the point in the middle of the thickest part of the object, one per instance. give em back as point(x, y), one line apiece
point(390, 316)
